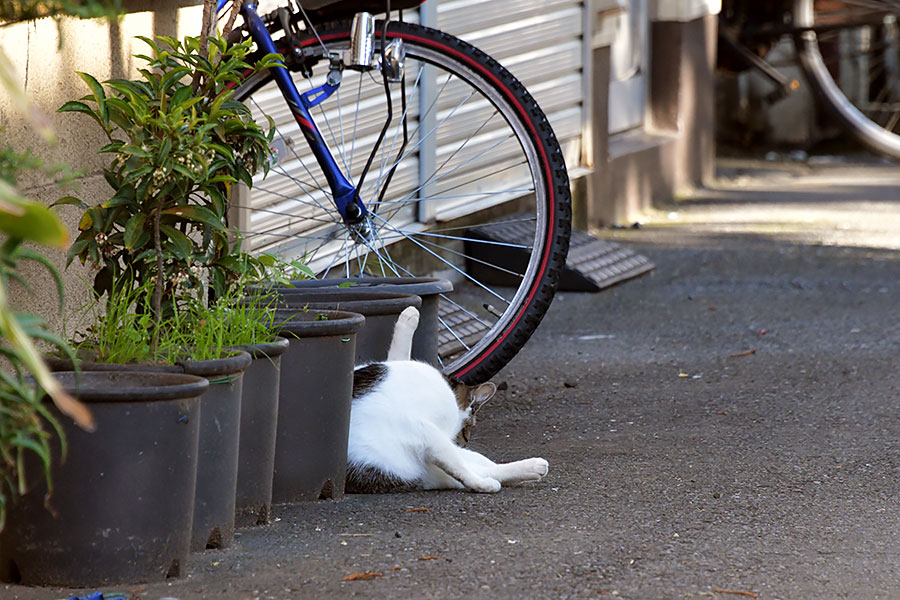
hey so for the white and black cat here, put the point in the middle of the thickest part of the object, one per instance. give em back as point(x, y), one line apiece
point(405, 421)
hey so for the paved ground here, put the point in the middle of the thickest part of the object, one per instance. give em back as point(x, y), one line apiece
point(728, 424)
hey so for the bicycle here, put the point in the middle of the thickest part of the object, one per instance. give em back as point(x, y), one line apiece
point(848, 49)
point(440, 134)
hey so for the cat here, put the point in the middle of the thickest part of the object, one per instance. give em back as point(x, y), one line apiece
point(407, 422)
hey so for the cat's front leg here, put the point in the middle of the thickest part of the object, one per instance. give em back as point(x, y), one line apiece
point(445, 456)
point(520, 471)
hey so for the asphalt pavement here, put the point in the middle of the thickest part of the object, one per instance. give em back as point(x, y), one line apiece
point(725, 427)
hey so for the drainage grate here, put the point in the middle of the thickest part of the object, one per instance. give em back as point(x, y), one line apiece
point(592, 265)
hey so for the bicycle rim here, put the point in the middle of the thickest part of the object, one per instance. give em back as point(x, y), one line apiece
point(852, 59)
point(480, 157)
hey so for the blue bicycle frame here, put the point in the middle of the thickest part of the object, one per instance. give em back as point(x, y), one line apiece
point(344, 193)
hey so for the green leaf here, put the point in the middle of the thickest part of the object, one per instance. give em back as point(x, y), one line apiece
point(134, 151)
point(25, 219)
point(174, 77)
point(76, 249)
point(138, 173)
point(181, 95)
point(182, 243)
point(123, 197)
point(66, 200)
point(164, 150)
point(124, 108)
point(111, 147)
point(199, 214)
point(184, 171)
point(99, 96)
point(133, 229)
point(75, 106)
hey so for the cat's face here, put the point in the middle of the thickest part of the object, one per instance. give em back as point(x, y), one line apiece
point(470, 399)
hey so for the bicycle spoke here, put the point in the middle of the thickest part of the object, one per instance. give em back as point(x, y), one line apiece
point(518, 191)
point(465, 239)
point(449, 264)
point(468, 257)
point(289, 145)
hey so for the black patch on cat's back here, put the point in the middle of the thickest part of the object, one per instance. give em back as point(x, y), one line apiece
point(363, 479)
point(366, 378)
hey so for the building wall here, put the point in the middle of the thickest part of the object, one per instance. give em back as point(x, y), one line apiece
point(45, 55)
point(675, 148)
point(619, 177)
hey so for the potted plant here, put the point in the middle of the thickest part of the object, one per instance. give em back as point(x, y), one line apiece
point(47, 447)
point(122, 496)
point(52, 456)
point(193, 340)
point(177, 145)
point(336, 292)
point(249, 326)
point(178, 141)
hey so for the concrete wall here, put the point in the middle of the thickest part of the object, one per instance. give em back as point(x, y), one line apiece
point(46, 56)
point(675, 149)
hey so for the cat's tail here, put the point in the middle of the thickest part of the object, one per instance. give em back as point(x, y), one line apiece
point(404, 329)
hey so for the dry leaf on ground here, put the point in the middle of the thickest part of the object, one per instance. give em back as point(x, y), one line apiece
point(362, 576)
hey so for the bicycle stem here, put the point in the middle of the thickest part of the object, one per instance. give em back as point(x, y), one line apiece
point(344, 194)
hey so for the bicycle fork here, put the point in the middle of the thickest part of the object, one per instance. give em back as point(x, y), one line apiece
point(345, 195)
point(361, 56)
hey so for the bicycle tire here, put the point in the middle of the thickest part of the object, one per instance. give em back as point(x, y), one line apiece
point(459, 65)
point(874, 120)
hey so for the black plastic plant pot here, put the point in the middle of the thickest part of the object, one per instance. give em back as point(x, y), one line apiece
point(314, 406)
point(217, 463)
point(425, 342)
point(259, 419)
point(122, 501)
point(379, 308)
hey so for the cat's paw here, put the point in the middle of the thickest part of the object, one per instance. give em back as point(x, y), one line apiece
point(535, 468)
point(485, 485)
point(409, 318)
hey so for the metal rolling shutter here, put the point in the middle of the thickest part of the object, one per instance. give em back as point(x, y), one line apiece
point(539, 41)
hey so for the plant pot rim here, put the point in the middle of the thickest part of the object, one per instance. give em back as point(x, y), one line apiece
point(362, 301)
point(228, 365)
point(265, 349)
point(58, 364)
point(101, 386)
point(308, 323)
point(409, 285)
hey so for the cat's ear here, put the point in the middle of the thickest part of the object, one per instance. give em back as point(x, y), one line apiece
point(481, 394)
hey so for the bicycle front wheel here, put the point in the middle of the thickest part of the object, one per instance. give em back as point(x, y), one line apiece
point(467, 153)
point(850, 51)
